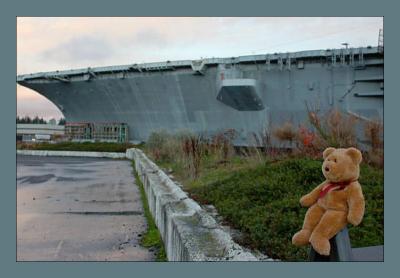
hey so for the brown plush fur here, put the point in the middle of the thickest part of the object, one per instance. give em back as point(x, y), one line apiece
point(328, 215)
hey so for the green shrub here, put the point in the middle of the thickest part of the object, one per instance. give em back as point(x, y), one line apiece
point(157, 145)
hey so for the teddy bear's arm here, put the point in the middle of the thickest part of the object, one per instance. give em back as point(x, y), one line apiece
point(356, 205)
point(312, 197)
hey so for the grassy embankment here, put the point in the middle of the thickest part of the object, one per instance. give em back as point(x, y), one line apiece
point(262, 201)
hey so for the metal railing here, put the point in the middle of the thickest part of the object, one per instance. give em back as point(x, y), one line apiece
point(340, 249)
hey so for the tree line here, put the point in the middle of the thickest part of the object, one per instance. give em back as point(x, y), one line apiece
point(37, 120)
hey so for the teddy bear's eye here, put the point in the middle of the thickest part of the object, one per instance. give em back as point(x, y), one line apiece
point(334, 160)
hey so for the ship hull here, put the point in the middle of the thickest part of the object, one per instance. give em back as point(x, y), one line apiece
point(181, 98)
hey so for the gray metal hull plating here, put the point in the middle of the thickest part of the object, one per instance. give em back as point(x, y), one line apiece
point(180, 98)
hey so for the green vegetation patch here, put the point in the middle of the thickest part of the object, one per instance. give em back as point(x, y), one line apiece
point(263, 202)
point(77, 146)
point(152, 237)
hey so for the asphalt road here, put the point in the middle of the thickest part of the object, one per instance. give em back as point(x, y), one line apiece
point(78, 209)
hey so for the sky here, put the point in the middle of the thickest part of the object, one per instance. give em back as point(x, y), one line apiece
point(47, 44)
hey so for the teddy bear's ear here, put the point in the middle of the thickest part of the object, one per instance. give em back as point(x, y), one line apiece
point(355, 155)
point(327, 152)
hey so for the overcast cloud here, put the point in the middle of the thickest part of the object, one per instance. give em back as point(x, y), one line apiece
point(84, 49)
point(45, 44)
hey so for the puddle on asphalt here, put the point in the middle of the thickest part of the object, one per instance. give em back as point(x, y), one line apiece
point(71, 179)
point(78, 171)
point(97, 185)
point(127, 212)
point(108, 202)
point(45, 178)
point(35, 179)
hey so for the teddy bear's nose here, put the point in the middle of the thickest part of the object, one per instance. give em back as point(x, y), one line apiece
point(327, 169)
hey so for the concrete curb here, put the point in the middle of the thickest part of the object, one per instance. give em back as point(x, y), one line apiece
point(72, 153)
point(188, 232)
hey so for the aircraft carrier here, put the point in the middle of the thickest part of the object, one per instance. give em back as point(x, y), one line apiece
point(245, 93)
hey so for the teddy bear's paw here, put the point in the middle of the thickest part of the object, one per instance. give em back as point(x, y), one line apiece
point(354, 220)
point(321, 245)
point(301, 238)
point(305, 201)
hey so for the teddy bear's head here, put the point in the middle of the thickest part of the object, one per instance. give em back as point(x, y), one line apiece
point(341, 165)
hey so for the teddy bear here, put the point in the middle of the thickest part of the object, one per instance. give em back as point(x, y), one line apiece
point(335, 202)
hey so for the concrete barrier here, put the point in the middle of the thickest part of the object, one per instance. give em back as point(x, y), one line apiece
point(72, 153)
point(188, 232)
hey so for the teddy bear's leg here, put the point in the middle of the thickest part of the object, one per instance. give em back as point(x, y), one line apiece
point(331, 223)
point(313, 215)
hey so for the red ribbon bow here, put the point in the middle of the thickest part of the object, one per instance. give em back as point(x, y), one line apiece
point(332, 185)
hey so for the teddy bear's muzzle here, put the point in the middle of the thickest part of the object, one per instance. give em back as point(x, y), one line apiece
point(327, 169)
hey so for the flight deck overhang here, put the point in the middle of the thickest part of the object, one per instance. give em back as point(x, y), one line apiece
point(197, 66)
